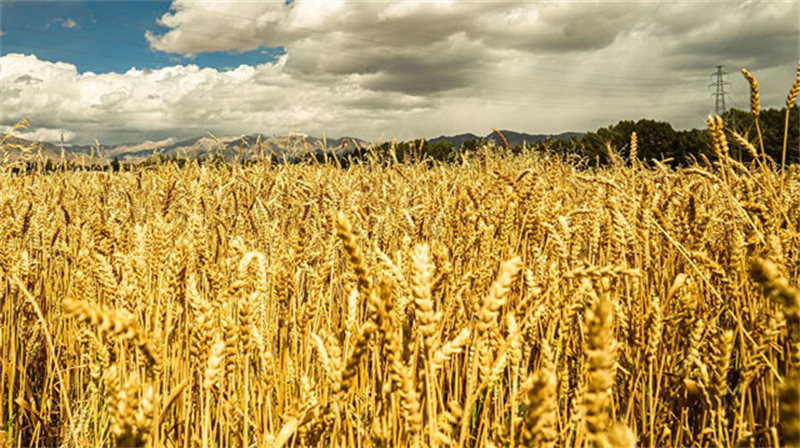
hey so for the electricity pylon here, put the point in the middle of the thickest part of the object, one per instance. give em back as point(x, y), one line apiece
point(719, 85)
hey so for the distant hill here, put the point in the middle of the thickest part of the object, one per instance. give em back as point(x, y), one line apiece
point(290, 146)
point(252, 145)
point(513, 138)
point(14, 147)
point(456, 140)
point(229, 147)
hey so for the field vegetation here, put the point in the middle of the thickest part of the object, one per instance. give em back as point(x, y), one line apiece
point(512, 299)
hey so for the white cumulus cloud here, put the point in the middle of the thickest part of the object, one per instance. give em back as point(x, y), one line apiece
point(183, 101)
point(46, 134)
point(406, 69)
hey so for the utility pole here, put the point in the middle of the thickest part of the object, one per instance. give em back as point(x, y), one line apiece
point(719, 85)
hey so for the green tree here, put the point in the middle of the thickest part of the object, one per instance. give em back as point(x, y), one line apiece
point(772, 124)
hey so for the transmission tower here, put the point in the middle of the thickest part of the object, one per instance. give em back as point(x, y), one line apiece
point(719, 85)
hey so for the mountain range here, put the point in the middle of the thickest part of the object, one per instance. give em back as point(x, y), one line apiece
point(512, 137)
point(252, 145)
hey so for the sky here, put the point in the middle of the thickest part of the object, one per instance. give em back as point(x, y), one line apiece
point(130, 71)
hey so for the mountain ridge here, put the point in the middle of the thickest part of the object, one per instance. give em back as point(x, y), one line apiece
point(230, 147)
point(513, 138)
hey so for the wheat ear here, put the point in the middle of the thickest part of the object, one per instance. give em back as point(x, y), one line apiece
point(112, 323)
point(777, 288)
point(539, 420)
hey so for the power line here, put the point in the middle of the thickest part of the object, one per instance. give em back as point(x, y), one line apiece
point(519, 103)
point(719, 85)
point(99, 54)
point(535, 87)
point(497, 101)
point(658, 82)
point(610, 87)
point(70, 34)
point(530, 87)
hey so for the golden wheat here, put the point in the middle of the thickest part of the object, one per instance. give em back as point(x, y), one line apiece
point(509, 300)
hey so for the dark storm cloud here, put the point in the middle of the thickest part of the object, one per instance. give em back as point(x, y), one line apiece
point(752, 46)
point(761, 35)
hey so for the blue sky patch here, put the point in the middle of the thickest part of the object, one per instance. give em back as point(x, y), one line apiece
point(103, 36)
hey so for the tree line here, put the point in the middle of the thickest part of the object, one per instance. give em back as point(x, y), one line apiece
point(656, 140)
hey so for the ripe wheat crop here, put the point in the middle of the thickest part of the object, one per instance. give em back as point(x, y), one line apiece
point(509, 300)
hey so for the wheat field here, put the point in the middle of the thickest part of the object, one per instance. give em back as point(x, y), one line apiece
point(512, 300)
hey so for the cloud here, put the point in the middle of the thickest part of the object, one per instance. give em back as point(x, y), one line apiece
point(27, 79)
point(435, 47)
point(64, 22)
point(749, 33)
point(183, 101)
point(39, 133)
point(406, 69)
point(404, 47)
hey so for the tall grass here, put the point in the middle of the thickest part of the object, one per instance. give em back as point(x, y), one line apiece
point(512, 300)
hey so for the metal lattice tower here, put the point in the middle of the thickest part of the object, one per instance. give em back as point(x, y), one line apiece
point(719, 85)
